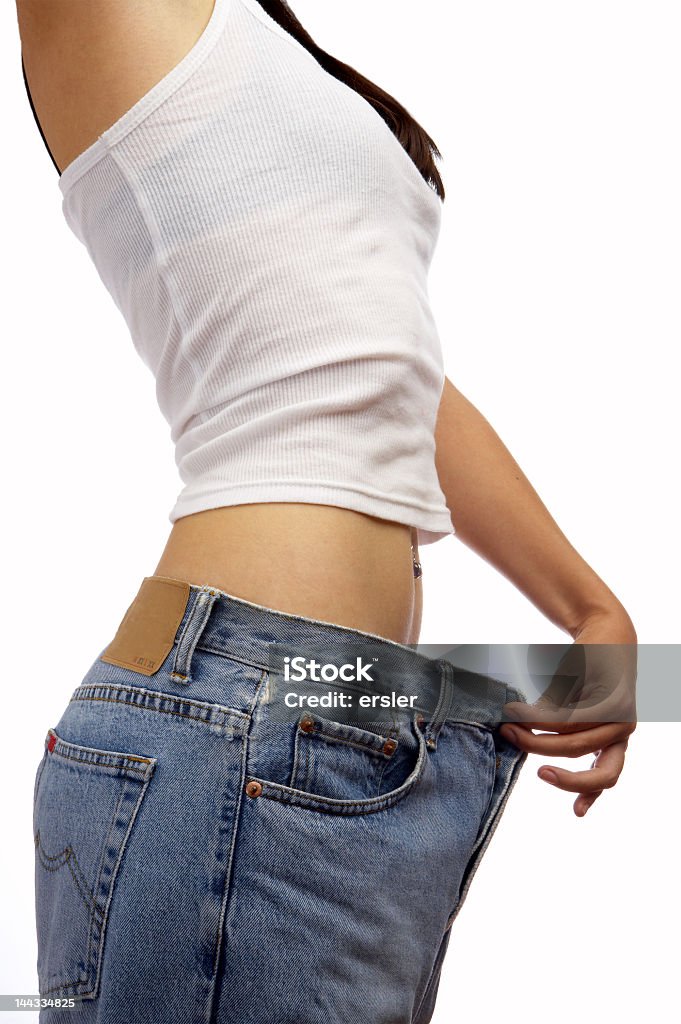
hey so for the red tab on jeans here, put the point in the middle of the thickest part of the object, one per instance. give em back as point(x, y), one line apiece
point(50, 739)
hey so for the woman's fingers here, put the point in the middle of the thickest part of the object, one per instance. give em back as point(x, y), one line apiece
point(589, 784)
point(543, 714)
point(575, 743)
point(608, 742)
point(583, 803)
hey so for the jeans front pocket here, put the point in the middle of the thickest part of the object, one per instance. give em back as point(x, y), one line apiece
point(86, 801)
point(339, 760)
point(347, 778)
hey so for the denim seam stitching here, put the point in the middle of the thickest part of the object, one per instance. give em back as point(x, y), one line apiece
point(114, 873)
point(488, 829)
point(274, 791)
point(300, 769)
point(102, 861)
point(220, 941)
point(325, 806)
point(146, 703)
point(66, 855)
point(146, 693)
point(160, 711)
point(433, 971)
point(393, 733)
point(357, 744)
point(99, 764)
point(230, 656)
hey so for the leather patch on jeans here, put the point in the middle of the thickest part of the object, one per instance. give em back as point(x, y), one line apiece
point(147, 633)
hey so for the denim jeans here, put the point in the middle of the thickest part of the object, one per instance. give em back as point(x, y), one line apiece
point(201, 859)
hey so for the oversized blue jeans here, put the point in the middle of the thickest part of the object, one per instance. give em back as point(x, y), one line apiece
point(201, 860)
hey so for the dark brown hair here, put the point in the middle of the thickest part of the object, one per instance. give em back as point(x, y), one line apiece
point(418, 144)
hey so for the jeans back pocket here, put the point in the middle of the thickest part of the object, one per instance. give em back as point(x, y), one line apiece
point(85, 805)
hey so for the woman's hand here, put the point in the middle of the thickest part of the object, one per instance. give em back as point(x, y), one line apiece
point(595, 714)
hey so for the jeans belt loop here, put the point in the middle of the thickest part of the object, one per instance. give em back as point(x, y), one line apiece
point(443, 705)
point(191, 634)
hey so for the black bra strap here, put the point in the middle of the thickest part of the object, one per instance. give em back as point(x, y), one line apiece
point(30, 100)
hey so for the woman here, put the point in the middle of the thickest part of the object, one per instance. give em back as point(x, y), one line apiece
point(210, 843)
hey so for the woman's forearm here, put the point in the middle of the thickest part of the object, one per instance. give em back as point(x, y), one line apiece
point(497, 513)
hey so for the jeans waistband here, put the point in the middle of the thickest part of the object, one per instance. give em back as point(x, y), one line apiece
point(214, 621)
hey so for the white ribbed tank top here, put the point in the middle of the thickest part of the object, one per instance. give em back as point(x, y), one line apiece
point(267, 239)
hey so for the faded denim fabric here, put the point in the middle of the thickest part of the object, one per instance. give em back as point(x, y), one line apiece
point(199, 860)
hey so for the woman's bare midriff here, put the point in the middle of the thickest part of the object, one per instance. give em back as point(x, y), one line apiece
point(319, 561)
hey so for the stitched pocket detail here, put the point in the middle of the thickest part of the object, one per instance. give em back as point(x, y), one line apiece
point(341, 761)
point(414, 767)
point(86, 801)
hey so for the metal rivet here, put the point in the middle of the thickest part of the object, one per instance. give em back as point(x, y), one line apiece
point(253, 788)
point(307, 724)
point(389, 747)
point(431, 743)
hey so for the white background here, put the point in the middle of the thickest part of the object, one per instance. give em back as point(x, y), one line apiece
point(556, 290)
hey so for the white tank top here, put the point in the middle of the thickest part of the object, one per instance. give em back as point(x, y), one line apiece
point(267, 239)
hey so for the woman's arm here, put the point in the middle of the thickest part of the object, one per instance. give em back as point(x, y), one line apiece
point(499, 515)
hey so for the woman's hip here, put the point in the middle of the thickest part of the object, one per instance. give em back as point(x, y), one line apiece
point(240, 835)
